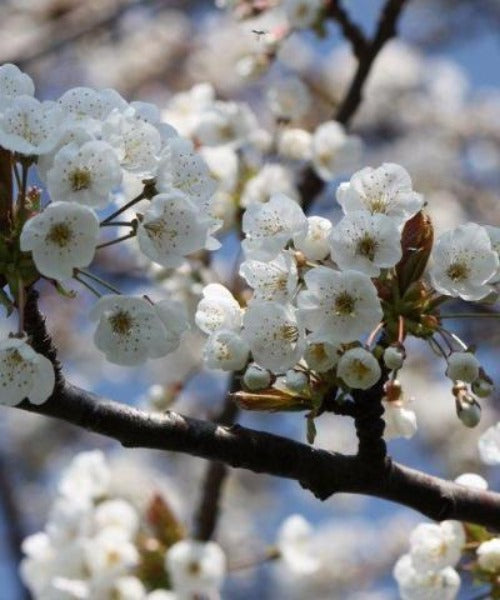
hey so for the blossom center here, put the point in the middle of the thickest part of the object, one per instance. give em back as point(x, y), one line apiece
point(378, 205)
point(121, 322)
point(289, 333)
point(367, 247)
point(80, 179)
point(344, 304)
point(60, 234)
point(359, 368)
point(194, 568)
point(458, 271)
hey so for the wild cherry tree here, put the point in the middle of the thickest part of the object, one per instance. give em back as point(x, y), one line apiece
point(320, 316)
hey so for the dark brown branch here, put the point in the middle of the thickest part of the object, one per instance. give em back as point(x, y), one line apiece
point(350, 30)
point(323, 473)
point(385, 31)
point(310, 185)
point(207, 514)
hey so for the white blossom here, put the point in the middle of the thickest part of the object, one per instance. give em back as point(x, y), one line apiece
point(295, 143)
point(13, 83)
point(274, 334)
point(225, 123)
point(430, 585)
point(276, 279)
point(30, 127)
point(472, 480)
point(386, 190)
point(463, 262)
point(489, 445)
point(256, 378)
point(494, 235)
point(359, 369)
point(218, 309)
point(463, 366)
point(128, 587)
point(269, 227)
point(131, 329)
point(87, 477)
point(171, 229)
point(296, 545)
point(321, 356)
point(24, 373)
point(488, 555)
point(83, 103)
point(365, 242)
point(181, 168)
point(339, 307)
point(436, 546)
point(196, 567)
point(314, 243)
point(86, 174)
point(119, 514)
point(110, 553)
point(137, 143)
point(333, 151)
point(400, 421)
point(289, 98)
point(61, 238)
point(225, 349)
point(271, 179)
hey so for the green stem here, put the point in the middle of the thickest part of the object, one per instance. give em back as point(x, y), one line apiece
point(97, 280)
point(21, 302)
point(118, 223)
point(135, 200)
point(117, 240)
point(88, 286)
point(22, 191)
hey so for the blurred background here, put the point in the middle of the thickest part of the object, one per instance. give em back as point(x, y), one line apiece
point(432, 104)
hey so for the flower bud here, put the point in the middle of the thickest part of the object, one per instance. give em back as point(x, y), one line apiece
point(463, 366)
point(256, 378)
point(483, 385)
point(296, 381)
point(468, 410)
point(394, 357)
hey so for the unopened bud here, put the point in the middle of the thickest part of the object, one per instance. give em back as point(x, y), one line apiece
point(296, 381)
point(463, 366)
point(256, 378)
point(394, 357)
point(468, 410)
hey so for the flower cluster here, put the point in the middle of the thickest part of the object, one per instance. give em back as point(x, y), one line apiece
point(323, 292)
point(98, 545)
point(92, 149)
point(428, 569)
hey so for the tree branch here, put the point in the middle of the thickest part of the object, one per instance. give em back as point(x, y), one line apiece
point(311, 185)
point(323, 473)
point(207, 514)
point(385, 31)
point(350, 30)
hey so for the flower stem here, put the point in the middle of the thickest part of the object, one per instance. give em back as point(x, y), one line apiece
point(21, 302)
point(116, 241)
point(97, 280)
point(135, 200)
point(118, 223)
point(88, 286)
